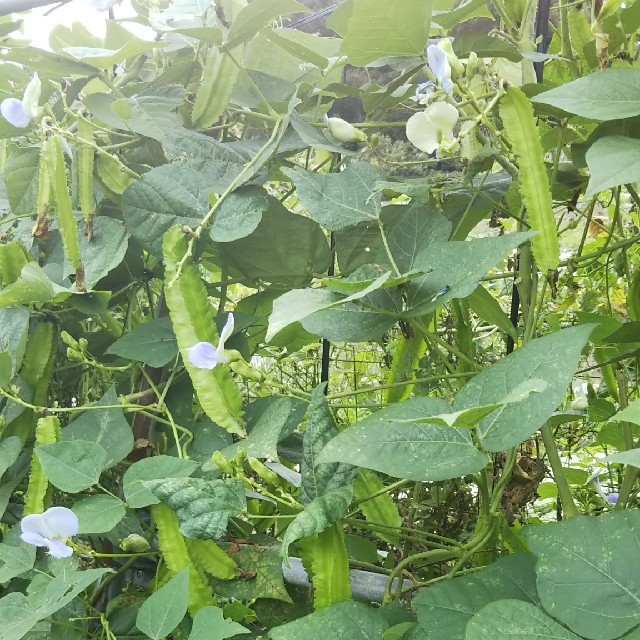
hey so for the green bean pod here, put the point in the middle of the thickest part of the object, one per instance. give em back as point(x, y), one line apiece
point(210, 558)
point(64, 211)
point(47, 432)
point(192, 318)
point(85, 170)
point(176, 556)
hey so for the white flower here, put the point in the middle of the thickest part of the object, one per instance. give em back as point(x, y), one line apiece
point(432, 127)
point(21, 112)
point(204, 355)
point(50, 529)
point(101, 5)
point(439, 64)
point(344, 131)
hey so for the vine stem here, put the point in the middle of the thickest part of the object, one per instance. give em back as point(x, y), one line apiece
point(387, 248)
point(564, 491)
point(237, 181)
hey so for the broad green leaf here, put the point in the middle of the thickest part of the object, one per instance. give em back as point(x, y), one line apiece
point(21, 179)
point(210, 624)
point(464, 11)
point(217, 163)
point(104, 58)
point(164, 196)
point(105, 251)
point(152, 343)
point(612, 161)
point(240, 214)
point(193, 321)
point(14, 329)
point(610, 94)
point(10, 449)
point(136, 494)
point(256, 15)
point(99, 513)
point(378, 29)
point(203, 507)
point(269, 420)
point(107, 427)
point(272, 255)
point(352, 620)
point(553, 358)
point(386, 442)
point(632, 457)
point(521, 130)
point(489, 309)
point(47, 63)
point(444, 609)
point(65, 586)
point(163, 610)
point(589, 572)
point(17, 616)
point(32, 287)
point(15, 560)
point(631, 413)
point(381, 510)
point(319, 479)
point(510, 619)
point(318, 515)
point(265, 562)
point(454, 269)
point(72, 466)
point(339, 200)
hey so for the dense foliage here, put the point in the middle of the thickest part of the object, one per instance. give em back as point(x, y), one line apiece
point(270, 370)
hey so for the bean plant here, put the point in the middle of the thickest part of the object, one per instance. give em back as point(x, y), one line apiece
point(321, 337)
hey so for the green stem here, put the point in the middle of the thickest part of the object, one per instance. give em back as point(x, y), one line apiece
point(564, 491)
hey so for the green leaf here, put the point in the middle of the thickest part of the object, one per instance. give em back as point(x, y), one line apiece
point(15, 560)
point(72, 466)
point(99, 513)
point(520, 126)
point(454, 269)
point(386, 442)
point(136, 494)
point(164, 196)
point(553, 358)
point(319, 479)
point(203, 507)
point(352, 620)
point(21, 180)
point(598, 95)
point(217, 164)
point(10, 449)
point(152, 343)
point(631, 413)
point(261, 560)
point(107, 427)
point(377, 29)
point(164, 610)
point(444, 609)
point(210, 624)
point(510, 619)
point(339, 200)
point(612, 161)
point(589, 572)
point(269, 420)
point(32, 287)
point(270, 254)
point(256, 15)
point(317, 516)
point(14, 329)
point(105, 251)
point(240, 214)
point(17, 616)
point(489, 309)
point(104, 58)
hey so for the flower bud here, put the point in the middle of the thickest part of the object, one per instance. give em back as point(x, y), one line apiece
point(134, 543)
point(263, 472)
point(454, 62)
point(343, 131)
point(221, 462)
point(472, 65)
point(579, 404)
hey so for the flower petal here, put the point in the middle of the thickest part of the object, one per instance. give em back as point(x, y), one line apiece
point(612, 498)
point(61, 521)
point(31, 96)
point(203, 355)
point(13, 111)
point(101, 5)
point(443, 117)
point(36, 539)
point(59, 549)
point(421, 134)
point(227, 330)
point(35, 523)
point(439, 65)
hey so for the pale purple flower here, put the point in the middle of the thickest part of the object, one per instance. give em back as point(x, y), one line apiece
point(101, 5)
point(51, 529)
point(424, 91)
point(612, 498)
point(204, 355)
point(21, 112)
point(439, 65)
